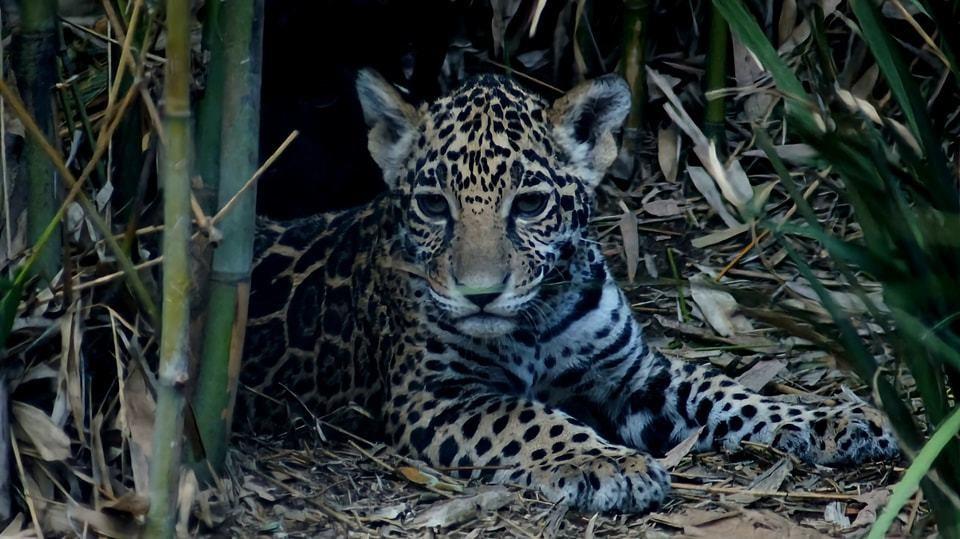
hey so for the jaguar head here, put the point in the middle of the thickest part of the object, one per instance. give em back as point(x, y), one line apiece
point(494, 186)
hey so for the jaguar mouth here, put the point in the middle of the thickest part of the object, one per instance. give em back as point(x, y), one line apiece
point(485, 325)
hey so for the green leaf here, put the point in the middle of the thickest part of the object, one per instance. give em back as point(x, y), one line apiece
point(904, 490)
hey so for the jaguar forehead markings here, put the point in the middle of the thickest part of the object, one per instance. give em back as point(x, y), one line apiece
point(470, 310)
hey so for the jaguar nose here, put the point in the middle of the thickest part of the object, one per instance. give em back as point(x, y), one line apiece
point(483, 299)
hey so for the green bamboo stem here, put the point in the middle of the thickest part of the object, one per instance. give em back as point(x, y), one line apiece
point(172, 373)
point(209, 109)
point(34, 63)
point(715, 79)
point(635, 15)
point(242, 27)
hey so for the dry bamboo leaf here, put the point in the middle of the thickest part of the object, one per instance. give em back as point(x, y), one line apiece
point(187, 494)
point(130, 503)
point(138, 413)
point(905, 134)
point(802, 31)
point(70, 387)
point(761, 374)
point(747, 71)
point(668, 152)
point(719, 308)
point(631, 240)
point(731, 179)
point(36, 427)
point(855, 104)
point(768, 481)
point(99, 466)
point(705, 184)
point(863, 88)
point(261, 490)
point(788, 20)
point(456, 510)
point(106, 524)
point(427, 480)
point(663, 207)
point(675, 455)
point(847, 300)
point(834, 514)
point(588, 533)
point(15, 529)
point(719, 236)
point(875, 500)
point(535, 20)
point(389, 512)
point(746, 524)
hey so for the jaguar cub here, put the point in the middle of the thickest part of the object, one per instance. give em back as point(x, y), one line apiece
point(470, 309)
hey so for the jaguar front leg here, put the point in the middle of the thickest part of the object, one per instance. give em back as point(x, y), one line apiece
point(695, 396)
point(456, 423)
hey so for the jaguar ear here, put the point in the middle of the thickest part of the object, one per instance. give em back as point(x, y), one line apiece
point(585, 119)
point(392, 122)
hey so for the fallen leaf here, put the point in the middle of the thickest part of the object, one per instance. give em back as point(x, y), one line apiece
point(719, 236)
point(875, 500)
point(131, 503)
point(449, 512)
point(668, 152)
point(834, 514)
point(761, 374)
point(187, 493)
point(746, 524)
point(747, 71)
point(663, 207)
point(390, 512)
point(36, 427)
point(719, 308)
point(631, 240)
point(863, 88)
point(788, 19)
point(588, 533)
point(138, 412)
point(768, 481)
point(427, 480)
point(16, 530)
point(705, 184)
point(675, 455)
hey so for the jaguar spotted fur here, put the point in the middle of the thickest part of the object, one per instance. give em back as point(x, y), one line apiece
point(470, 310)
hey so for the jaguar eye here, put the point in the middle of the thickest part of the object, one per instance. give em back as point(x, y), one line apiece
point(432, 205)
point(530, 203)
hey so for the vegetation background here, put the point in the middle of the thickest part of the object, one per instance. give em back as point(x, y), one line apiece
point(785, 204)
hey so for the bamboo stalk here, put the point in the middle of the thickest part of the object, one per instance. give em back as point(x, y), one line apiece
point(242, 28)
point(715, 80)
point(172, 373)
point(34, 63)
point(209, 108)
point(635, 14)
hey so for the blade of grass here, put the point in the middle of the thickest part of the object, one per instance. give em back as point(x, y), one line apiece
point(910, 482)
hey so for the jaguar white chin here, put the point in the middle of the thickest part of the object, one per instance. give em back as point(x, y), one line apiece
point(485, 326)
